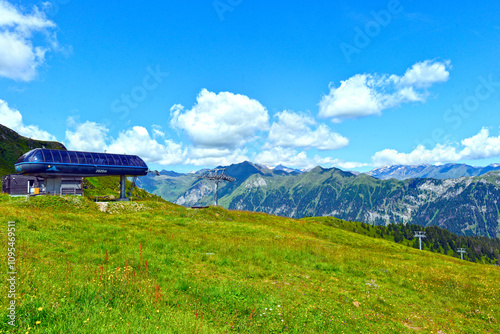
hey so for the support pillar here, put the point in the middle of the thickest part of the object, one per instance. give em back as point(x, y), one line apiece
point(122, 188)
point(53, 186)
point(216, 193)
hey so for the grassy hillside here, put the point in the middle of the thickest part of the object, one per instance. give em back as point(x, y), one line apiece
point(106, 188)
point(478, 249)
point(154, 267)
point(13, 145)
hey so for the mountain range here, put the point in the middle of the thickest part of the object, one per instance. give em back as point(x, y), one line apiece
point(463, 205)
point(447, 171)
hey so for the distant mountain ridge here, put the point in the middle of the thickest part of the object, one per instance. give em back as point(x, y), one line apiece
point(170, 173)
point(447, 171)
point(187, 189)
point(464, 205)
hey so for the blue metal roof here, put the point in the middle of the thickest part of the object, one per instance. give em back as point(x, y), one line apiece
point(40, 155)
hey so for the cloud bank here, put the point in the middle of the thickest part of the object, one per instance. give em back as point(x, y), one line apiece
point(479, 146)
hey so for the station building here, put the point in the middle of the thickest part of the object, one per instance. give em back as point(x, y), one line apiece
point(58, 172)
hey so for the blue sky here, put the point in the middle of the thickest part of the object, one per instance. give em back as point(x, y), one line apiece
point(194, 84)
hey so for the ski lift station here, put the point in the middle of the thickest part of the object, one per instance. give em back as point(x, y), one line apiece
point(58, 172)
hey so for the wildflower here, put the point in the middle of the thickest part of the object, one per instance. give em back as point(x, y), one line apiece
point(40, 308)
point(38, 322)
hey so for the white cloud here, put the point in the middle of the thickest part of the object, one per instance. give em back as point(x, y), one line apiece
point(19, 57)
point(137, 141)
point(223, 120)
point(284, 156)
point(93, 137)
point(24, 23)
point(158, 131)
point(342, 164)
point(292, 158)
point(426, 73)
point(13, 119)
point(89, 136)
point(420, 155)
point(215, 156)
point(295, 130)
point(354, 98)
point(369, 94)
point(153, 148)
point(479, 146)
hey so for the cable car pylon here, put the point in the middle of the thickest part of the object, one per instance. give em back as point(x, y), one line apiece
point(217, 175)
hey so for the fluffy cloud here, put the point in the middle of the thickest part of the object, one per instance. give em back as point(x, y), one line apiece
point(295, 130)
point(479, 146)
point(152, 146)
point(19, 57)
point(89, 136)
point(426, 73)
point(420, 155)
point(285, 156)
point(138, 141)
point(223, 120)
point(158, 131)
point(220, 125)
point(214, 156)
point(295, 159)
point(339, 163)
point(354, 98)
point(13, 119)
point(369, 94)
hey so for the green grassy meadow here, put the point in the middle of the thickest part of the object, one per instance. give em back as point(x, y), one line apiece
point(150, 266)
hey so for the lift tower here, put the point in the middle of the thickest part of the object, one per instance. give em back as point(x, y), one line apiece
point(217, 175)
point(420, 235)
point(462, 252)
